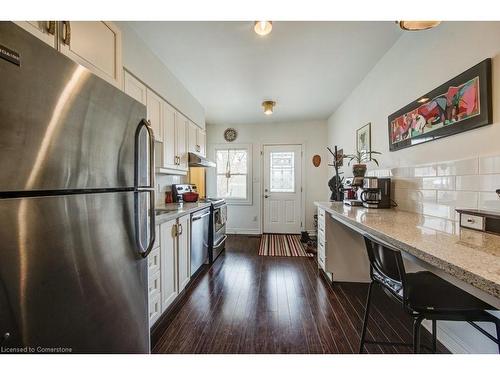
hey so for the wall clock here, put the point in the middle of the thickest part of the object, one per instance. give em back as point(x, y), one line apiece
point(230, 134)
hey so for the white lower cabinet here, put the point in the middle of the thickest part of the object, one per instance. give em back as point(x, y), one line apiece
point(184, 252)
point(154, 308)
point(168, 245)
point(154, 281)
point(321, 239)
point(175, 259)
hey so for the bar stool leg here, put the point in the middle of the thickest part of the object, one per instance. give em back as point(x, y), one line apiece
point(497, 323)
point(416, 334)
point(434, 336)
point(365, 319)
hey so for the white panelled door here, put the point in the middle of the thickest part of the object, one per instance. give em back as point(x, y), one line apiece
point(282, 188)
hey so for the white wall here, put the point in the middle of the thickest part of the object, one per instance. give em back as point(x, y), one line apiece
point(247, 219)
point(143, 63)
point(417, 63)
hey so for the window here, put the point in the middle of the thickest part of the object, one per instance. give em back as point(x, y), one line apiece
point(282, 172)
point(232, 170)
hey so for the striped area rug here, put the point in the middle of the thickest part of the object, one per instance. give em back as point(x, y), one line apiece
point(282, 245)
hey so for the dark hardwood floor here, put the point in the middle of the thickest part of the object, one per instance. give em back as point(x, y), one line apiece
point(246, 303)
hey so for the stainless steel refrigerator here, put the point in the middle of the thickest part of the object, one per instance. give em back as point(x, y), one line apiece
point(76, 205)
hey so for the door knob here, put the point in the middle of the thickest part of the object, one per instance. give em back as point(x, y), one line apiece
point(266, 196)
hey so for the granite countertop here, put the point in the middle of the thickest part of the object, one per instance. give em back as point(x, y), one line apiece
point(170, 211)
point(469, 255)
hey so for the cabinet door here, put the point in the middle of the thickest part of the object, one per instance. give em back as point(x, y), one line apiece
point(154, 108)
point(95, 45)
point(181, 126)
point(202, 142)
point(183, 251)
point(43, 30)
point(135, 88)
point(168, 258)
point(192, 137)
point(169, 159)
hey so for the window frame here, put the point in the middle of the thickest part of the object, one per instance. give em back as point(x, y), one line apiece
point(237, 146)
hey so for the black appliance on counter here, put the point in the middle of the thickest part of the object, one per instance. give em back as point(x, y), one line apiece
point(217, 223)
point(376, 192)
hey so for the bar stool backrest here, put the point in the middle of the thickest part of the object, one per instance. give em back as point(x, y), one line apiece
point(386, 265)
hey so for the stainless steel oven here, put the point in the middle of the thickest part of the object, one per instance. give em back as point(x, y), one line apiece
point(218, 227)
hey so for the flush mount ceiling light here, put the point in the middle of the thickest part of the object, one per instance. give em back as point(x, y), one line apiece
point(263, 27)
point(417, 25)
point(268, 106)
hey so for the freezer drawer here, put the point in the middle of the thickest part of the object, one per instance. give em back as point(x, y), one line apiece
point(73, 274)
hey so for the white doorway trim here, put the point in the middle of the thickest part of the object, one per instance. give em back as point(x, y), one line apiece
point(303, 187)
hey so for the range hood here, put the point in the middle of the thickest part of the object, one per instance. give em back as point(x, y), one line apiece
point(196, 160)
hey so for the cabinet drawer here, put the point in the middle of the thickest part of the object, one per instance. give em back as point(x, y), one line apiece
point(154, 260)
point(472, 221)
point(321, 247)
point(321, 225)
point(154, 308)
point(321, 236)
point(321, 262)
point(157, 237)
point(154, 283)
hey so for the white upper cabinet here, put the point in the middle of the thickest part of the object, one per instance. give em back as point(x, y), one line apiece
point(43, 30)
point(196, 139)
point(201, 136)
point(169, 147)
point(192, 137)
point(135, 88)
point(96, 45)
point(154, 106)
point(181, 130)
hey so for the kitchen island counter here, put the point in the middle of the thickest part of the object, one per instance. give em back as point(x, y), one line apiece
point(470, 256)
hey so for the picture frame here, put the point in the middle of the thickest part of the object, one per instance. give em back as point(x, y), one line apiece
point(363, 138)
point(463, 103)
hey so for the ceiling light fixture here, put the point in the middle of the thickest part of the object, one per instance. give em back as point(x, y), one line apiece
point(417, 25)
point(268, 106)
point(263, 27)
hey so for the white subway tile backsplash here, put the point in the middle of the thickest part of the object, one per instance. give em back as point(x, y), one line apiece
point(489, 201)
point(438, 189)
point(458, 167)
point(479, 182)
point(489, 164)
point(439, 210)
point(407, 183)
point(462, 199)
point(439, 183)
point(424, 171)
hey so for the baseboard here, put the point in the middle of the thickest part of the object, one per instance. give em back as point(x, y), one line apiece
point(242, 231)
point(452, 342)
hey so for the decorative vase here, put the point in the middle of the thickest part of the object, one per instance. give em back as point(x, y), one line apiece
point(359, 170)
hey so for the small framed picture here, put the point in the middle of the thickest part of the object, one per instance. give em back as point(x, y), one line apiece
point(363, 138)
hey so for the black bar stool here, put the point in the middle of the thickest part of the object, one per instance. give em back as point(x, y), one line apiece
point(423, 295)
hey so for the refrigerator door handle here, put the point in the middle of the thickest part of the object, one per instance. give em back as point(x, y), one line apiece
point(150, 188)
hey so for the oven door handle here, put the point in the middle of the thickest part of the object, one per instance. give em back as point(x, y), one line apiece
point(222, 240)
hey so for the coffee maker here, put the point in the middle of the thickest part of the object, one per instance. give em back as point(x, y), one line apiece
point(376, 192)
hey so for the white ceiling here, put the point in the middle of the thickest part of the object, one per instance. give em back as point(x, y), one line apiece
point(307, 67)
